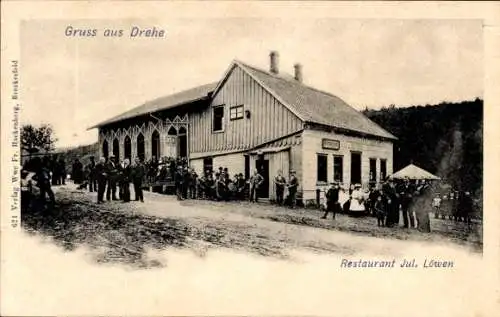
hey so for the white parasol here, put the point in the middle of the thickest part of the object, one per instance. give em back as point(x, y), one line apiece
point(413, 172)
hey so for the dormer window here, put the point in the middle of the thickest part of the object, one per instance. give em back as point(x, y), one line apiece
point(236, 112)
point(218, 119)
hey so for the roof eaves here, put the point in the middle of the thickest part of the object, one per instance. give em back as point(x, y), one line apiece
point(119, 118)
point(337, 129)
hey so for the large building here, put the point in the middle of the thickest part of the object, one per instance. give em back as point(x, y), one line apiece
point(256, 119)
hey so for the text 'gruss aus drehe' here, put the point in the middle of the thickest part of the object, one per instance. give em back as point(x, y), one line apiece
point(133, 32)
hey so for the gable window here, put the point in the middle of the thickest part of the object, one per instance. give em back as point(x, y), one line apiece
point(236, 112)
point(218, 119)
point(322, 168)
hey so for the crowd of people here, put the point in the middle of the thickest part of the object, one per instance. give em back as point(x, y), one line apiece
point(396, 198)
point(216, 184)
point(107, 175)
point(386, 202)
point(456, 205)
point(112, 179)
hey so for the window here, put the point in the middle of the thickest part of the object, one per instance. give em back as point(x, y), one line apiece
point(355, 167)
point(322, 168)
point(207, 164)
point(383, 169)
point(338, 169)
point(218, 119)
point(236, 113)
point(373, 170)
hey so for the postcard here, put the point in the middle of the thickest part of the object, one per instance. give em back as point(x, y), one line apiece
point(250, 158)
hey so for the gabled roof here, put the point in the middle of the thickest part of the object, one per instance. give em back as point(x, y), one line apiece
point(163, 103)
point(315, 106)
point(307, 103)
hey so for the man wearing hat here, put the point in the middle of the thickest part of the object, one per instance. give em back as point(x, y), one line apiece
point(255, 181)
point(293, 183)
point(332, 200)
point(280, 183)
point(391, 202)
point(113, 172)
point(179, 182)
point(101, 175)
point(91, 175)
point(240, 186)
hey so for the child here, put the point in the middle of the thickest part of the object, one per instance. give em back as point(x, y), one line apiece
point(379, 208)
point(436, 205)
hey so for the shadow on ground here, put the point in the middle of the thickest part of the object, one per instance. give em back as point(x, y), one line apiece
point(115, 235)
point(442, 230)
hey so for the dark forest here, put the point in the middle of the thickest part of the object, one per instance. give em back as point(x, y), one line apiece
point(445, 139)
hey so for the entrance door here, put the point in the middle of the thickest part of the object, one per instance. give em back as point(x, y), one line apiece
point(182, 139)
point(263, 168)
point(155, 145)
point(247, 167)
point(355, 168)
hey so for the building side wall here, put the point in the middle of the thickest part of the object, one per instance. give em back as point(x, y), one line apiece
point(312, 146)
point(235, 163)
point(269, 119)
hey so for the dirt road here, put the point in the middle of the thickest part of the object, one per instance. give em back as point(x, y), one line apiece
point(163, 257)
point(123, 232)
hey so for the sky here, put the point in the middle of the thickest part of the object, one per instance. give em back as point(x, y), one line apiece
point(74, 83)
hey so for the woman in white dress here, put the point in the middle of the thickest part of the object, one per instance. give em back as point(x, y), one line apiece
point(357, 206)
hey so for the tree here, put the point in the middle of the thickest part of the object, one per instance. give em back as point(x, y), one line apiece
point(446, 139)
point(34, 139)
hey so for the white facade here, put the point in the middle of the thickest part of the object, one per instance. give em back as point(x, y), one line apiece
point(303, 158)
point(368, 148)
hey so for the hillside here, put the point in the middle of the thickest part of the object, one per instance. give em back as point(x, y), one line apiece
point(82, 153)
point(445, 139)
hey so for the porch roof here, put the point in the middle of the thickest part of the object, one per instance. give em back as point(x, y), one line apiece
point(163, 103)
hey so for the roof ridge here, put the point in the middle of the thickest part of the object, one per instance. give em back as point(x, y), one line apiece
point(287, 79)
point(315, 90)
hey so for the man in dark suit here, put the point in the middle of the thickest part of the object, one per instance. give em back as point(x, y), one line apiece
point(113, 174)
point(61, 167)
point(44, 181)
point(280, 183)
point(293, 184)
point(179, 182)
point(332, 200)
point(406, 192)
point(101, 175)
point(125, 177)
point(91, 176)
point(391, 198)
point(138, 173)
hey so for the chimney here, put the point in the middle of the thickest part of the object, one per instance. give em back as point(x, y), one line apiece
point(274, 62)
point(298, 72)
